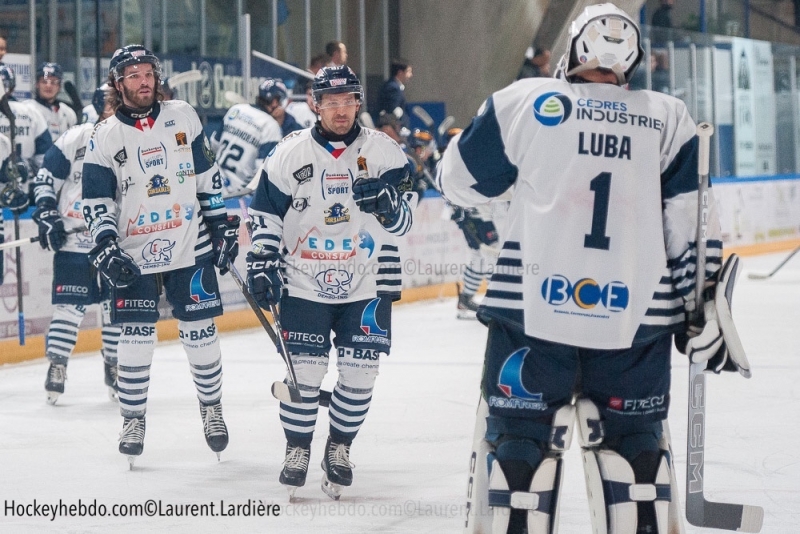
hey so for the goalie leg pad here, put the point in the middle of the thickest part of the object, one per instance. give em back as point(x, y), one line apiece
point(525, 472)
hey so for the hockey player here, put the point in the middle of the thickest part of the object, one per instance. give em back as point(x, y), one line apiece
point(57, 193)
point(330, 204)
point(595, 275)
point(90, 113)
point(276, 97)
point(59, 116)
point(32, 136)
point(152, 199)
point(247, 135)
point(303, 110)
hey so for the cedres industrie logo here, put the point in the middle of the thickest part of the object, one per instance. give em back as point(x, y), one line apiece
point(552, 109)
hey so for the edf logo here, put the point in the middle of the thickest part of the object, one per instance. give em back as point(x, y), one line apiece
point(552, 109)
point(586, 293)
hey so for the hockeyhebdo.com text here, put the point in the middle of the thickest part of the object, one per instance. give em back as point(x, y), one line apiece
point(415, 267)
point(409, 508)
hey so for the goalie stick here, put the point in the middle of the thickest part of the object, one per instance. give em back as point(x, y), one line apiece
point(699, 511)
point(764, 276)
point(11, 190)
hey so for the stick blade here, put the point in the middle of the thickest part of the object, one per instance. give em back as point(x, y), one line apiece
point(286, 394)
point(725, 516)
point(758, 276)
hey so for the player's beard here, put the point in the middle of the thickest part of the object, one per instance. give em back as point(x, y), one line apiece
point(136, 101)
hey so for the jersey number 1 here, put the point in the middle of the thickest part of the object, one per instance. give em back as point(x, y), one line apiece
point(601, 185)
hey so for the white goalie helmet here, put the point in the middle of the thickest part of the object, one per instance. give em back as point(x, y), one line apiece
point(604, 37)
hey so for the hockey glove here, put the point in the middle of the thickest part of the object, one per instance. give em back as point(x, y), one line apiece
point(376, 196)
point(264, 278)
point(115, 266)
point(51, 228)
point(225, 240)
point(14, 198)
point(476, 230)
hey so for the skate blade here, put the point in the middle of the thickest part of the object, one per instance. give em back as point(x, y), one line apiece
point(291, 491)
point(218, 457)
point(131, 460)
point(334, 491)
point(112, 394)
point(468, 315)
point(52, 397)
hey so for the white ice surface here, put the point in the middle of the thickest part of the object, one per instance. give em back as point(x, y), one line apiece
point(412, 452)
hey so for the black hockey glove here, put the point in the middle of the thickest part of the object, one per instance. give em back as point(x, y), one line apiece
point(115, 266)
point(51, 228)
point(376, 196)
point(225, 240)
point(476, 230)
point(264, 278)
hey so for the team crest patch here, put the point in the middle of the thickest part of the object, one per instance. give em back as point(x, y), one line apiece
point(121, 157)
point(337, 214)
point(300, 204)
point(181, 139)
point(158, 185)
point(304, 173)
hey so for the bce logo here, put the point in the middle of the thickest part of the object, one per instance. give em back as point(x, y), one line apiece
point(586, 293)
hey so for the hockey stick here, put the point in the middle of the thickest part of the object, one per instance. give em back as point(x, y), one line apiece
point(280, 390)
point(764, 276)
point(5, 109)
point(699, 511)
point(422, 115)
point(190, 76)
point(234, 98)
point(445, 125)
point(34, 239)
point(366, 120)
point(75, 98)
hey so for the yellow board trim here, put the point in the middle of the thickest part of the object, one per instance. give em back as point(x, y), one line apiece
point(90, 340)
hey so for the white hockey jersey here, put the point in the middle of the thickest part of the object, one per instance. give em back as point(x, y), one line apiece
point(60, 179)
point(248, 135)
point(302, 113)
point(89, 114)
point(304, 207)
point(59, 116)
point(599, 249)
point(32, 136)
point(153, 182)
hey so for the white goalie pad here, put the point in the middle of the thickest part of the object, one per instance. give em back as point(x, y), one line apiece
point(613, 493)
point(541, 501)
point(722, 301)
point(479, 520)
point(590, 428)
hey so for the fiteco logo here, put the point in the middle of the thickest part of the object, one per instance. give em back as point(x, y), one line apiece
point(585, 293)
point(552, 109)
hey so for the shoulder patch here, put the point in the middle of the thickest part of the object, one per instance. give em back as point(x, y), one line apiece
point(304, 173)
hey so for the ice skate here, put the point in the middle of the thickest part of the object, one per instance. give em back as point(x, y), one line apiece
point(110, 379)
point(214, 427)
point(54, 385)
point(337, 469)
point(466, 307)
point(295, 468)
point(131, 439)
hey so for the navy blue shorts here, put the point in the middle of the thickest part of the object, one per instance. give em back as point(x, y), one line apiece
point(365, 324)
point(526, 377)
point(75, 280)
point(192, 291)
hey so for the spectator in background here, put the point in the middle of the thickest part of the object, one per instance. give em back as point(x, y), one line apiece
point(337, 53)
point(392, 98)
point(3, 48)
point(536, 64)
point(317, 62)
point(660, 76)
point(662, 17)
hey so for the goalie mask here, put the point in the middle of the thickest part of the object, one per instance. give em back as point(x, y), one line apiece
point(604, 37)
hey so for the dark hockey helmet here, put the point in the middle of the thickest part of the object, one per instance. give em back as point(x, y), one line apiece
point(49, 70)
point(421, 139)
point(132, 55)
point(99, 98)
point(8, 77)
point(273, 88)
point(448, 135)
point(335, 80)
point(604, 37)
